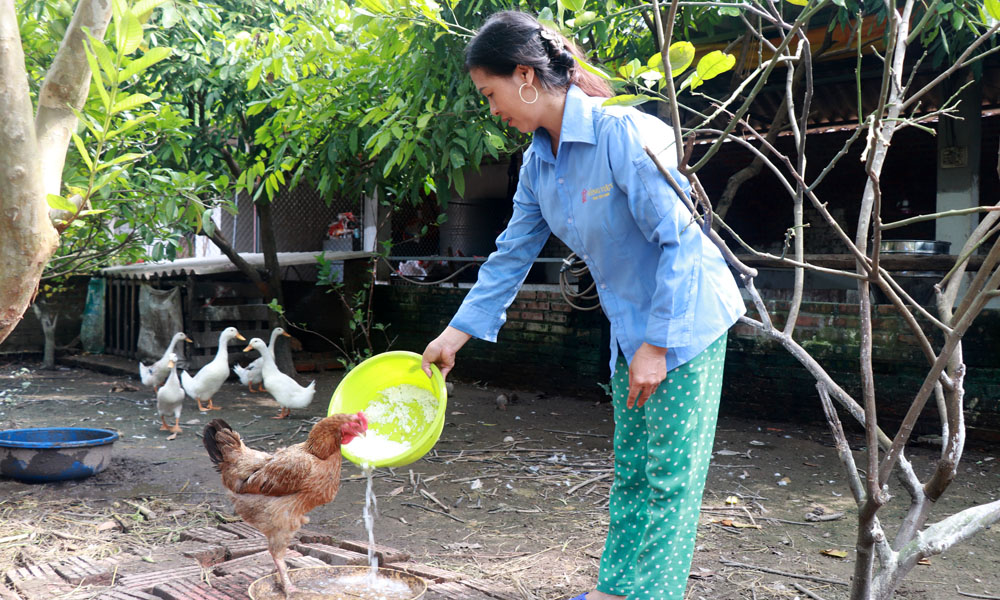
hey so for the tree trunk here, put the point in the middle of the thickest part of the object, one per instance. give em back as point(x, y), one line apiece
point(66, 85)
point(32, 153)
point(48, 319)
point(27, 237)
point(269, 246)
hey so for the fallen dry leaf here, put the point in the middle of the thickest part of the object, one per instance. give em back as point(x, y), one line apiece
point(834, 553)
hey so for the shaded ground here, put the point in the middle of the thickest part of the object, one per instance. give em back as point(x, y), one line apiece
point(526, 490)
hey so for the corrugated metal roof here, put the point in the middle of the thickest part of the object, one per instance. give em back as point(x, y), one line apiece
point(219, 264)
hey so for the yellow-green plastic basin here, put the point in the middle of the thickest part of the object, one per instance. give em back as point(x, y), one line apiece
point(362, 385)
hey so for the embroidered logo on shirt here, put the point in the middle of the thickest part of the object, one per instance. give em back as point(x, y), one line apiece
point(584, 197)
point(598, 192)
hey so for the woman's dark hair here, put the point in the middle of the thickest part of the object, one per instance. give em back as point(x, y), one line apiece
point(510, 38)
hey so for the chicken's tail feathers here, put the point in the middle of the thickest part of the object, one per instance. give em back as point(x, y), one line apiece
point(213, 444)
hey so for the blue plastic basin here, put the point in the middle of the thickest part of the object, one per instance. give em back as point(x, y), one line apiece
point(54, 453)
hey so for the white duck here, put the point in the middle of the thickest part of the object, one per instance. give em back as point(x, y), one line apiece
point(155, 374)
point(210, 378)
point(250, 375)
point(170, 398)
point(286, 391)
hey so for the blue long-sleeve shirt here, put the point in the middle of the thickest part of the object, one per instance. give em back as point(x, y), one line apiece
point(659, 278)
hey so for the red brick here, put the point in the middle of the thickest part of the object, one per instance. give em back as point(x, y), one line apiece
point(148, 581)
point(239, 548)
point(526, 295)
point(490, 589)
point(807, 321)
point(385, 554)
point(207, 535)
point(235, 586)
point(241, 529)
point(427, 572)
point(231, 567)
point(38, 581)
point(126, 595)
point(332, 555)
point(308, 536)
point(186, 589)
point(206, 554)
point(450, 591)
point(83, 571)
point(304, 562)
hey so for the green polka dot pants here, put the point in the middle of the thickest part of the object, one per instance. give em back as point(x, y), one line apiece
point(662, 451)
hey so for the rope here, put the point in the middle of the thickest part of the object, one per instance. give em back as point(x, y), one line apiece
point(572, 265)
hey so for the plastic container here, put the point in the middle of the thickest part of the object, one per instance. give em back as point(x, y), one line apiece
point(46, 454)
point(362, 385)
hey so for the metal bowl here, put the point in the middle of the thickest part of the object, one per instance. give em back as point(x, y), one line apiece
point(914, 247)
point(45, 454)
point(309, 579)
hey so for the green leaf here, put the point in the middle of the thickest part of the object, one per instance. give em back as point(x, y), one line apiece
point(83, 151)
point(798, 2)
point(105, 58)
point(573, 5)
point(130, 102)
point(375, 6)
point(993, 8)
point(60, 203)
point(95, 74)
point(681, 55)
point(596, 71)
point(132, 33)
point(713, 64)
point(129, 126)
point(628, 100)
point(144, 8)
point(256, 107)
point(458, 180)
point(630, 69)
point(127, 157)
point(150, 58)
point(423, 120)
point(254, 77)
point(206, 222)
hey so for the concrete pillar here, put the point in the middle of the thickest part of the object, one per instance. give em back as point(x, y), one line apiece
point(959, 143)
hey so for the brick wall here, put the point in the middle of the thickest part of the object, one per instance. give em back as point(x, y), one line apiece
point(545, 344)
point(549, 347)
point(28, 338)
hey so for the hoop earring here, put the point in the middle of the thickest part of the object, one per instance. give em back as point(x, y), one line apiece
point(520, 93)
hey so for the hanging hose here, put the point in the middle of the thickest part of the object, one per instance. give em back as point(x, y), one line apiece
point(571, 265)
point(423, 282)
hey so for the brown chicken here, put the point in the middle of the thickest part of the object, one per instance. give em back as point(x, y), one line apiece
point(273, 492)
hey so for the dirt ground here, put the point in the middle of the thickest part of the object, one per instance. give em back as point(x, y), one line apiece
point(526, 492)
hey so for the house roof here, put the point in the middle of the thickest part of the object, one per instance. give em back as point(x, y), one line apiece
point(220, 264)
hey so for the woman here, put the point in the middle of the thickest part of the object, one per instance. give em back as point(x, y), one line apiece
point(663, 285)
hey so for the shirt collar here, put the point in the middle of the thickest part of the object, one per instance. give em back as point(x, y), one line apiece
point(577, 125)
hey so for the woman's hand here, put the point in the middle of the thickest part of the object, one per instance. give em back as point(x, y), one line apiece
point(647, 370)
point(441, 351)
